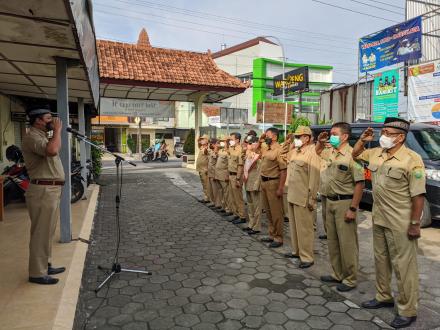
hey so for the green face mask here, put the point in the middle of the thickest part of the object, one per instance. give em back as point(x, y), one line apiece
point(335, 141)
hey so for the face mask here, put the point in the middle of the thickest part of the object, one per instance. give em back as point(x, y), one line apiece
point(298, 143)
point(386, 142)
point(335, 141)
point(232, 143)
point(222, 144)
point(202, 142)
point(268, 141)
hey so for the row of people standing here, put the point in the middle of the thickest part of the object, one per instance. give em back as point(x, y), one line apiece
point(333, 167)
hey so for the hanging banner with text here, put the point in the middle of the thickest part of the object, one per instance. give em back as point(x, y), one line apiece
point(424, 92)
point(386, 95)
point(398, 43)
point(136, 108)
point(294, 81)
point(274, 113)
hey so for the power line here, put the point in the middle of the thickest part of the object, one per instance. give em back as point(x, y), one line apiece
point(377, 7)
point(354, 11)
point(387, 4)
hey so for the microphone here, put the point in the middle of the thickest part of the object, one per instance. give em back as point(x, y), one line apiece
point(75, 132)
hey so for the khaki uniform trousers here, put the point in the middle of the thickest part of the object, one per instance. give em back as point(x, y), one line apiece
point(394, 251)
point(285, 203)
point(301, 232)
point(43, 204)
point(324, 211)
point(254, 209)
point(216, 192)
point(342, 242)
point(210, 190)
point(274, 208)
point(204, 180)
point(225, 195)
point(236, 197)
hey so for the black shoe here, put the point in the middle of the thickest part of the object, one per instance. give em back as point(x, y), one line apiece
point(253, 232)
point(220, 210)
point(47, 280)
point(275, 245)
point(306, 264)
point(344, 287)
point(247, 229)
point(267, 240)
point(286, 219)
point(227, 214)
point(232, 218)
point(376, 304)
point(322, 236)
point(291, 255)
point(329, 279)
point(53, 271)
point(239, 221)
point(210, 205)
point(402, 321)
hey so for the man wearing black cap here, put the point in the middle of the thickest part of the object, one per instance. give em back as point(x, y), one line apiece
point(398, 179)
point(43, 195)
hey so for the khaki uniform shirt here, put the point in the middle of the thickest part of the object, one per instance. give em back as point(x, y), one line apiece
point(341, 172)
point(323, 179)
point(395, 181)
point(253, 182)
point(38, 164)
point(212, 160)
point(304, 167)
point(235, 161)
point(202, 160)
point(221, 166)
point(273, 160)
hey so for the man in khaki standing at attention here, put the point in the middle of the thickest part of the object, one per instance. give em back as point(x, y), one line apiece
point(235, 168)
point(343, 188)
point(304, 167)
point(398, 179)
point(43, 195)
point(222, 175)
point(273, 177)
point(202, 166)
point(212, 184)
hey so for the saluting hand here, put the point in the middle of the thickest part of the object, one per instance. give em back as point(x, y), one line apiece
point(413, 232)
point(57, 124)
point(323, 137)
point(367, 135)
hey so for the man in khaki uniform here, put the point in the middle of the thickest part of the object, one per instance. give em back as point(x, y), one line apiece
point(273, 176)
point(252, 185)
point(43, 195)
point(222, 175)
point(202, 166)
point(343, 188)
point(235, 168)
point(212, 184)
point(322, 184)
point(303, 166)
point(398, 179)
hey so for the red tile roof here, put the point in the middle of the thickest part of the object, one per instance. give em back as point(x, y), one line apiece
point(141, 62)
point(243, 45)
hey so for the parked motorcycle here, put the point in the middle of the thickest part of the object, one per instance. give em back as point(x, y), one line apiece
point(76, 182)
point(16, 178)
point(149, 155)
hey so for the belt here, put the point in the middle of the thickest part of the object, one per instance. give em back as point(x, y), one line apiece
point(266, 178)
point(339, 197)
point(232, 173)
point(48, 182)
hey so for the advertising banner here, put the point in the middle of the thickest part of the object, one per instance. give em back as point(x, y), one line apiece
point(424, 92)
point(274, 113)
point(386, 95)
point(136, 108)
point(398, 43)
point(294, 81)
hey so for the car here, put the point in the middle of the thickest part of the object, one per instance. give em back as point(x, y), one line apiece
point(178, 149)
point(423, 139)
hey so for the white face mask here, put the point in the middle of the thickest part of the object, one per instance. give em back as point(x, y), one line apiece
point(386, 142)
point(222, 144)
point(298, 143)
point(232, 143)
point(203, 142)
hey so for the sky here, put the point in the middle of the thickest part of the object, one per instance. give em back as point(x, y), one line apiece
point(312, 31)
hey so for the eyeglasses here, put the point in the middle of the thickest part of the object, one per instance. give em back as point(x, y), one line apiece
point(388, 133)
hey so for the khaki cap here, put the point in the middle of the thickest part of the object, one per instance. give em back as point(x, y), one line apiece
point(303, 130)
point(204, 136)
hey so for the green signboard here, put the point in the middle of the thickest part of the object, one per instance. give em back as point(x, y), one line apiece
point(386, 95)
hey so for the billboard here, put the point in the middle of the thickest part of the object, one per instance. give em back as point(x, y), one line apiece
point(136, 108)
point(398, 43)
point(294, 81)
point(385, 95)
point(424, 92)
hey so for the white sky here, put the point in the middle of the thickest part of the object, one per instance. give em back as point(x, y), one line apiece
point(312, 32)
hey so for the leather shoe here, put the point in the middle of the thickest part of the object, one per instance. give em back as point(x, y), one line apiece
point(329, 279)
point(247, 229)
point(306, 264)
point(375, 304)
point(275, 245)
point(291, 255)
point(253, 232)
point(344, 287)
point(53, 271)
point(227, 214)
point(47, 280)
point(267, 240)
point(402, 321)
point(322, 236)
point(239, 221)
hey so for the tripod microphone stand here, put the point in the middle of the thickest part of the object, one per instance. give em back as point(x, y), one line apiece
point(116, 267)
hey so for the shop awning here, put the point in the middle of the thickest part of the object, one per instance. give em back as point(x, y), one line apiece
point(33, 33)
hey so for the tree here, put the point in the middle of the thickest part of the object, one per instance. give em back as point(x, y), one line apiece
point(189, 146)
point(299, 121)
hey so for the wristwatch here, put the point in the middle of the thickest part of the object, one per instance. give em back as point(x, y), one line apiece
point(353, 209)
point(415, 222)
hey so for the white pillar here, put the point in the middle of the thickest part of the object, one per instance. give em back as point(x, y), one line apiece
point(198, 103)
point(65, 153)
point(82, 145)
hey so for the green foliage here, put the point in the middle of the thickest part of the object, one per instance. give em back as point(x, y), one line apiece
point(145, 145)
point(299, 121)
point(189, 146)
point(96, 158)
point(323, 121)
point(131, 144)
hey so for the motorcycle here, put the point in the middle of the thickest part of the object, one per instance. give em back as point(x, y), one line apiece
point(16, 178)
point(149, 155)
point(76, 182)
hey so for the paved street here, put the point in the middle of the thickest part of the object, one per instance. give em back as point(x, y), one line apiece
point(208, 274)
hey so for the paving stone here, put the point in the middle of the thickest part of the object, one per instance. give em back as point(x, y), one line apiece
point(204, 326)
point(296, 303)
point(211, 317)
point(340, 318)
point(119, 301)
point(294, 293)
point(360, 314)
point(135, 326)
point(229, 325)
point(146, 315)
point(187, 320)
point(234, 314)
point(254, 310)
point(296, 314)
point(200, 298)
point(162, 323)
point(253, 322)
point(315, 300)
point(237, 303)
point(275, 318)
point(120, 319)
point(296, 325)
point(132, 308)
point(257, 300)
point(336, 306)
point(317, 310)
point(276, 306)
point(216, 306)
point(318, 322)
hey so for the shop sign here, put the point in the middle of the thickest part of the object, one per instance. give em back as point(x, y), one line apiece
point(136, 108)
point(294, 81)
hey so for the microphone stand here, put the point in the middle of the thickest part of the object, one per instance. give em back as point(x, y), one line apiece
point(116, 267)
